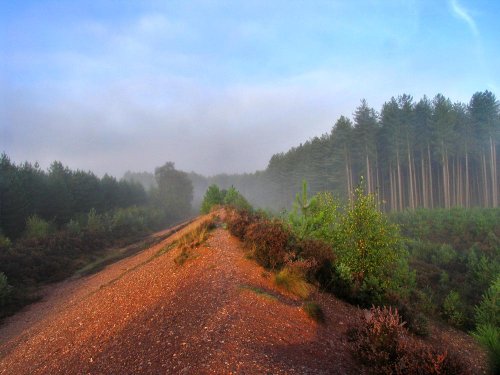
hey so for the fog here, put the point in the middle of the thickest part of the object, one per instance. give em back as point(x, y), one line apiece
point(217, 88)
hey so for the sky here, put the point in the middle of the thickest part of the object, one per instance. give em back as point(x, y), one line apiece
point(221, 86)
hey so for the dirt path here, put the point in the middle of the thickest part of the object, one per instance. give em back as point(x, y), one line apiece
point(202, 317)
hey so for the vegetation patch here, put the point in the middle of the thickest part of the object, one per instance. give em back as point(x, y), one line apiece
point(384, 344)
point(259, 291)
point(193, 239)
point(293, 281)
point(182, 257)
point(314, 311)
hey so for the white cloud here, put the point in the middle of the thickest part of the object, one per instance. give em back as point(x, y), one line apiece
point(460, 12)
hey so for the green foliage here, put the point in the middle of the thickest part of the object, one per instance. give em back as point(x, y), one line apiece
point(488, 311)
point(36, 227)
point(453, 249)
point(95, 222)
point(368, 247)
point(317, 218)
point(213, 197)
point(444, 255)
point(489, 336)
point(57, 195)
point(370, 258)
point(453, 309)
point(233, 198)
point(74, 227)
point(129, 220)
point(487, 317)
point(4, 242)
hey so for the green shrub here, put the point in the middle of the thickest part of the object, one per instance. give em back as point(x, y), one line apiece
point(234, 199)
point(453, 309)
point(315, 217)
point(488, 311)
point(443, 255)
point(4, 242)
point(368, 246)
point(129, 220)
point(36, 227)
point(74, 227)
point(489, 337)
point(95, 222)
point(213, 197)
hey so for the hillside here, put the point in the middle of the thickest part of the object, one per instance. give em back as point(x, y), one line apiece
point(218, 312)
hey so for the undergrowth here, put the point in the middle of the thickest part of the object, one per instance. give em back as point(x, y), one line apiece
point(314, 311)
point(384, 344)
point(193, 239)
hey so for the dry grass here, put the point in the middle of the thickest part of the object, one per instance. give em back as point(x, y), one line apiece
point(293, 281)
point(193, 239)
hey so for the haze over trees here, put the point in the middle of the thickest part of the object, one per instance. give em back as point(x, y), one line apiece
point(426, 153)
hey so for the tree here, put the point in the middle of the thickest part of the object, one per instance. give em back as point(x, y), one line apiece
point(213, 196)
point(175, 191)
point(368, 246)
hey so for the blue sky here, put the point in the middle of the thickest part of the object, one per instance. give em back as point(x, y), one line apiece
point(219, 86)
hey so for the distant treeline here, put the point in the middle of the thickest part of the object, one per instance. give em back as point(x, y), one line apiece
point(58, 194)
point(430, 153)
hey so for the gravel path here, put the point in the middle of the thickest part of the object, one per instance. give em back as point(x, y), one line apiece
point(146, 314)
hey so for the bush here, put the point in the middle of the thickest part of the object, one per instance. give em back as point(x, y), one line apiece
point(453, 309)
point(487, 318)
point(384, 344)
point(444, 255)
point(489, 337)
point(377, 342)
point(95, 222)
point(129, 220)
point(321, 256)
point(316, 217)
point(238, 222)
point(36, 227)
point(269, 241)
point(233, 198)
point(213, 197)
point(74, 227)
point(370, 249)
point(488, 311)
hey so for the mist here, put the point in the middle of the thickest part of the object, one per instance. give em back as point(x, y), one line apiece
point(111, 90)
